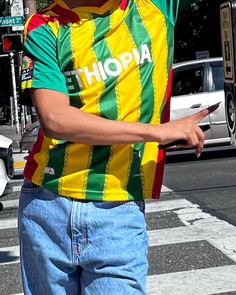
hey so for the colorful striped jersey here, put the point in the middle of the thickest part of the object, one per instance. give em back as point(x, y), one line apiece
point(113, 61)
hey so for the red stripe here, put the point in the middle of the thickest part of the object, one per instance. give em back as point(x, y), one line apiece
point(156, 191)
point(123, 4)
point(37, 20)
point(65, 15)
point(31, 164)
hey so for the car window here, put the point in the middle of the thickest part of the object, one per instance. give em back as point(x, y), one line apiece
point(217, 76)
point(188, 80)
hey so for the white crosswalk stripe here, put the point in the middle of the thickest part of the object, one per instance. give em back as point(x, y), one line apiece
point(197, 226)
point(195, 282)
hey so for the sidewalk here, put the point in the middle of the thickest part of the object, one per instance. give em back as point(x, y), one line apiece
point(19, 157)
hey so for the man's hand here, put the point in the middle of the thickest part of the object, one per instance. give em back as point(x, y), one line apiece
point(187, 129)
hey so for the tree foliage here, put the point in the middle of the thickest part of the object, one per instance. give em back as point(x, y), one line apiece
point(42, 3)
point(198, 29)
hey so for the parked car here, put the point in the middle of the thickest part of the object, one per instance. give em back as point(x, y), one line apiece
point(29, 137)
point(6, 166)
point(198, 84)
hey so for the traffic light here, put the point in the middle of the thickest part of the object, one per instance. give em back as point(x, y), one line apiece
point(12, 42)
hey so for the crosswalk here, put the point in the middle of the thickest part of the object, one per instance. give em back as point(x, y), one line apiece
point(191, 252)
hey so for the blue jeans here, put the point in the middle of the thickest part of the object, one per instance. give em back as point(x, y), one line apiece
point(80, 247)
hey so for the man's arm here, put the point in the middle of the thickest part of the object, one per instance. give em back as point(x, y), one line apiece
point(59, 120)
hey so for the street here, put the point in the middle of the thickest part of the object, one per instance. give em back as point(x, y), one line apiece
point(192, 228)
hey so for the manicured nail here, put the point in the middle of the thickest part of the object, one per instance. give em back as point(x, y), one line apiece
point(198, 154)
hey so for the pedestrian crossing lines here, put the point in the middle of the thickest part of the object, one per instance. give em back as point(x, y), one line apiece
point(191, 252)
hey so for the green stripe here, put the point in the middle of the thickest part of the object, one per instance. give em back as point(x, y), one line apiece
point(108, 109)
point(169, 8)
point(65, 57)
point(96, 176)
point(56, 162)
point(147, 99)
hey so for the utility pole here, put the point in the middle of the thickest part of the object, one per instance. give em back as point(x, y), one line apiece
point(29, 8)
point(14, 92)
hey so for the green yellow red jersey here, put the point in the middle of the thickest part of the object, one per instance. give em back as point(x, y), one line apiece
point(112, 61)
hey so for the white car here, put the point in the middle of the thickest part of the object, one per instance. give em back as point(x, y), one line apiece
point(6, 165)
point(198, 84)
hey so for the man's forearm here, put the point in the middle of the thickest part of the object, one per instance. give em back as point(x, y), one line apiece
point(77, 126)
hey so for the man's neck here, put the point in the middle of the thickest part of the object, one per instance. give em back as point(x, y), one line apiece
point(77, 3)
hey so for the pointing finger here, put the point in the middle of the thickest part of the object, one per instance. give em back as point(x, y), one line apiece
point(203, 113)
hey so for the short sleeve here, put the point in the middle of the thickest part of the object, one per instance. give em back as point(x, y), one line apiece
point(172, 8)
point(40, 67)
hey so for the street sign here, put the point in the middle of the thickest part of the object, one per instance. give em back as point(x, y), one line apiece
point(202, 54)
point(227, 41)
point(17, 9)
point(8, 21)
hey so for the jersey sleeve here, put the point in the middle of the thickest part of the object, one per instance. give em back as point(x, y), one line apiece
point(172, 8)
point(40, 67)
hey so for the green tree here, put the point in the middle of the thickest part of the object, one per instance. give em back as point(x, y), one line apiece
point(42, 3)
point(198, 29)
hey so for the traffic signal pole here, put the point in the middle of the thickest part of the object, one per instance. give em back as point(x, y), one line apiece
point(14, 92)
point(29, 8)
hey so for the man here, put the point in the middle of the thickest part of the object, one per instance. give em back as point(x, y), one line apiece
point(100, 78)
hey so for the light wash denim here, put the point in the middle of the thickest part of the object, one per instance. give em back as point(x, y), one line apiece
point(81, 247)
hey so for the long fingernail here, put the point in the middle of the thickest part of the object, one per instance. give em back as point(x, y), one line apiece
point(198, 154)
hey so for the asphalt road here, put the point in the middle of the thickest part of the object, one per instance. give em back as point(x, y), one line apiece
point(209, 181)
point(192, 230)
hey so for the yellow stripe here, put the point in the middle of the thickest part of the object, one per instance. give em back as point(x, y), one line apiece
point(84, 56)
point(55, 27)
point(116, 179)
point(155, 24)
point(128, 102)
point(26, 27)
point(41, 159)
point(23, 85)
point(156, 27)
point(75, 172)
point(78, 157)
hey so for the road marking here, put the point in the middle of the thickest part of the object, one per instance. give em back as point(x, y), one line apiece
point(9, 255)
point(165, 189)
point(16, 188)
point(16, 180)
point(191, 233)
point(226, 246)
point(200, 282)
point(20, 164)
point(10, 204)
point(157, 206)
point(8, 223)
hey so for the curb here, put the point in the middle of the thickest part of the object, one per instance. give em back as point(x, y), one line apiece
point(18, 165)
